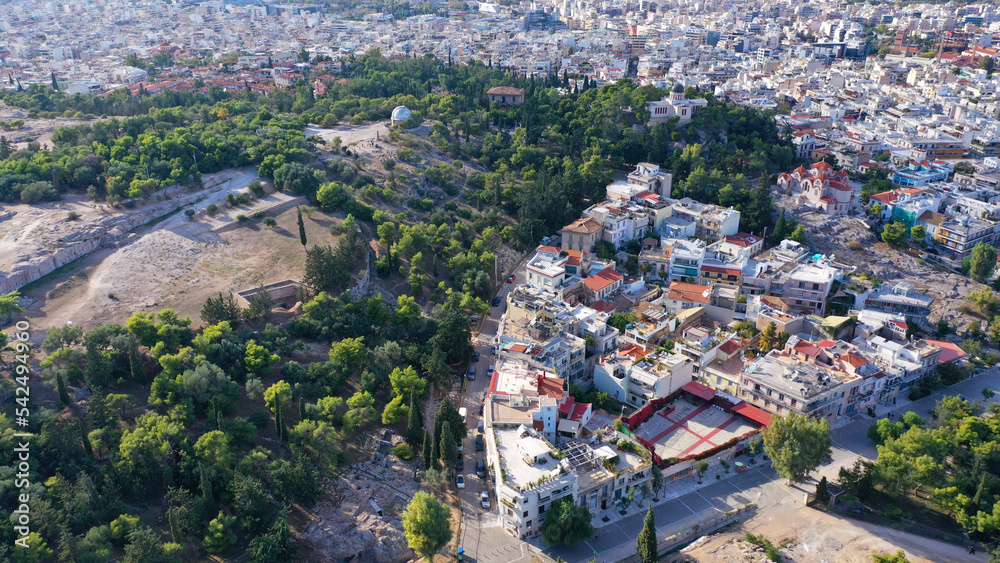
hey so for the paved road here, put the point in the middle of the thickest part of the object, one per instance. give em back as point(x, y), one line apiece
point(481, 535)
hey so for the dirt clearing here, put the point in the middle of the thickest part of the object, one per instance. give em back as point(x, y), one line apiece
point(811, 536)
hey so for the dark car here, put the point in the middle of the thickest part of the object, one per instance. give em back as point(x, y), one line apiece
point(480, 469)
point(482, 408)
point(480, 443)
point(460, 464)
point(481, 427)
point(475, 356)
point(510, 278)
point(496, 301)
point(472, 372)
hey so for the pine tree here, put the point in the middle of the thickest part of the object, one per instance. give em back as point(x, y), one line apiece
point(86, 439)
point(415, 423)
point(64, 399)
point(646, 542)
point(427, 449)
point(302, 229)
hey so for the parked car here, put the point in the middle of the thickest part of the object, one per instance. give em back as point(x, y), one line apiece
point(475, 355)
point(496, 301)
point(484, 499)
point(481, 427)
point(510, 278)
point(472, 372)
point(482, 409)
point(460, 481)
point(480, 468)
point(490, 370)
point(480, 443)
point(460, 464)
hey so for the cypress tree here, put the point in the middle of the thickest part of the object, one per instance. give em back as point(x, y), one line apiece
point(277, 418)
point(64, 400)
point(780, 228)
point(427, 449)
point(415, 423)
point(135, 365)
point(206, 491)
point(646, 542)
point(86, 439)
point(449, 450)
point(174, 529)
point(55, 85)
point(302, 408)
point(435, 452)
point(302, 229)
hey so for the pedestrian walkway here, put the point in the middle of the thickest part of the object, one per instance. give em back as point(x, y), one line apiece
point(669, 491)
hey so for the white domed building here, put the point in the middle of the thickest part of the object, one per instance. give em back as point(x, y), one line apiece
point(400, 114)
point(674, 105)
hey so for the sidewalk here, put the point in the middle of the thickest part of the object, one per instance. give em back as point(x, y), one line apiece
point(670, 491)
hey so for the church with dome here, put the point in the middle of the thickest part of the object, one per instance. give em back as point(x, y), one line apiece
point(674, 105)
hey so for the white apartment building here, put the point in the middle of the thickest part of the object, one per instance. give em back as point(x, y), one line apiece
point(638, 381)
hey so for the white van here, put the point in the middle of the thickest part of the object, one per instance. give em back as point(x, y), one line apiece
point(463, 412)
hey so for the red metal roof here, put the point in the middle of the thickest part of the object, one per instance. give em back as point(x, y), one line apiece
point(753, 413)
point(699, 390)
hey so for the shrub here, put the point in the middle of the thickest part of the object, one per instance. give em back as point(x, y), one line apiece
point(403, 451)
point(256, 188)
point(258, 215)
point(242, 218)
point(854, 245)
point(270, 222)
point(72, 216)
point(258, 419)
point(212, 209)
point(189, 213)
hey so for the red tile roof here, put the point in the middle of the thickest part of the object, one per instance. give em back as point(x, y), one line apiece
point(949, 351)
point(603, 306)
point(603, 279)
point(550, 386)
point(689, 292)
point(730, 347)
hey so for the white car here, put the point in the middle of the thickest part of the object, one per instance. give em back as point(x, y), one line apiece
point(484, 499)
point(460, 481)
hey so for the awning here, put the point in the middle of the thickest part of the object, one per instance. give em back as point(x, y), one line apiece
point(753, 413)
point(698, 390)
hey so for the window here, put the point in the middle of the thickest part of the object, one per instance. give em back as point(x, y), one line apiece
point(541, 509)
point(525, 515)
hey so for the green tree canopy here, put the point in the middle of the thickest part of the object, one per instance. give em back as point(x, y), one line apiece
point(427, 524)
point(566, 522)
point(797, 445)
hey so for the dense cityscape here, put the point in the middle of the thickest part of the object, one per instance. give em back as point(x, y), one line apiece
point(499, 282)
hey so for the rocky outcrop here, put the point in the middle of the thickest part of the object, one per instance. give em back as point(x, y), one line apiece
point(61, 242)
